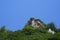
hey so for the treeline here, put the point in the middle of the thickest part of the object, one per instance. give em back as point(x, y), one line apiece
point(30, 33)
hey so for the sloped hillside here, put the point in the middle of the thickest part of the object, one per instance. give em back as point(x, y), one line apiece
point(35, 29)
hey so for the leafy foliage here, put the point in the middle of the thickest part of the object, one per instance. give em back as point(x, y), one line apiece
point(52, 26)
point(28, 33)
point(31, 33)
point(56, 36)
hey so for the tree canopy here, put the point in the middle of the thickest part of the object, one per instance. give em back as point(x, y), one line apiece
point(31, 33)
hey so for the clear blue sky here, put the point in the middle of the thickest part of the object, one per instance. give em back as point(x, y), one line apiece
point(15, 13)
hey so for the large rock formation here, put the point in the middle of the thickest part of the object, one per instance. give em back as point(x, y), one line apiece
point(36, 23)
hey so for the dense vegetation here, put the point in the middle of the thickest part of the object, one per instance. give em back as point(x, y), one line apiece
point(30, 33)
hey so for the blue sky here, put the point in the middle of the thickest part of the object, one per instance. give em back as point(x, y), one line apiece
point(15, 13)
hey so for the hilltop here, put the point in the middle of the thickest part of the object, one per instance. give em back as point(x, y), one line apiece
point(37, 23)
point(35, 29)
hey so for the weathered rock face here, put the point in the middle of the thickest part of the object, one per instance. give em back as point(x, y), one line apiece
point(36, 23)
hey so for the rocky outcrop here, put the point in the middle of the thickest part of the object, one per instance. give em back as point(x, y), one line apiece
point(36, 23)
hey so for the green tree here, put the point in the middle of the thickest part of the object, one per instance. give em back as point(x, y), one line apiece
point(56, 36)
point(52, 26)
point(57, 30)
point(28, 30)
point(2, 29)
